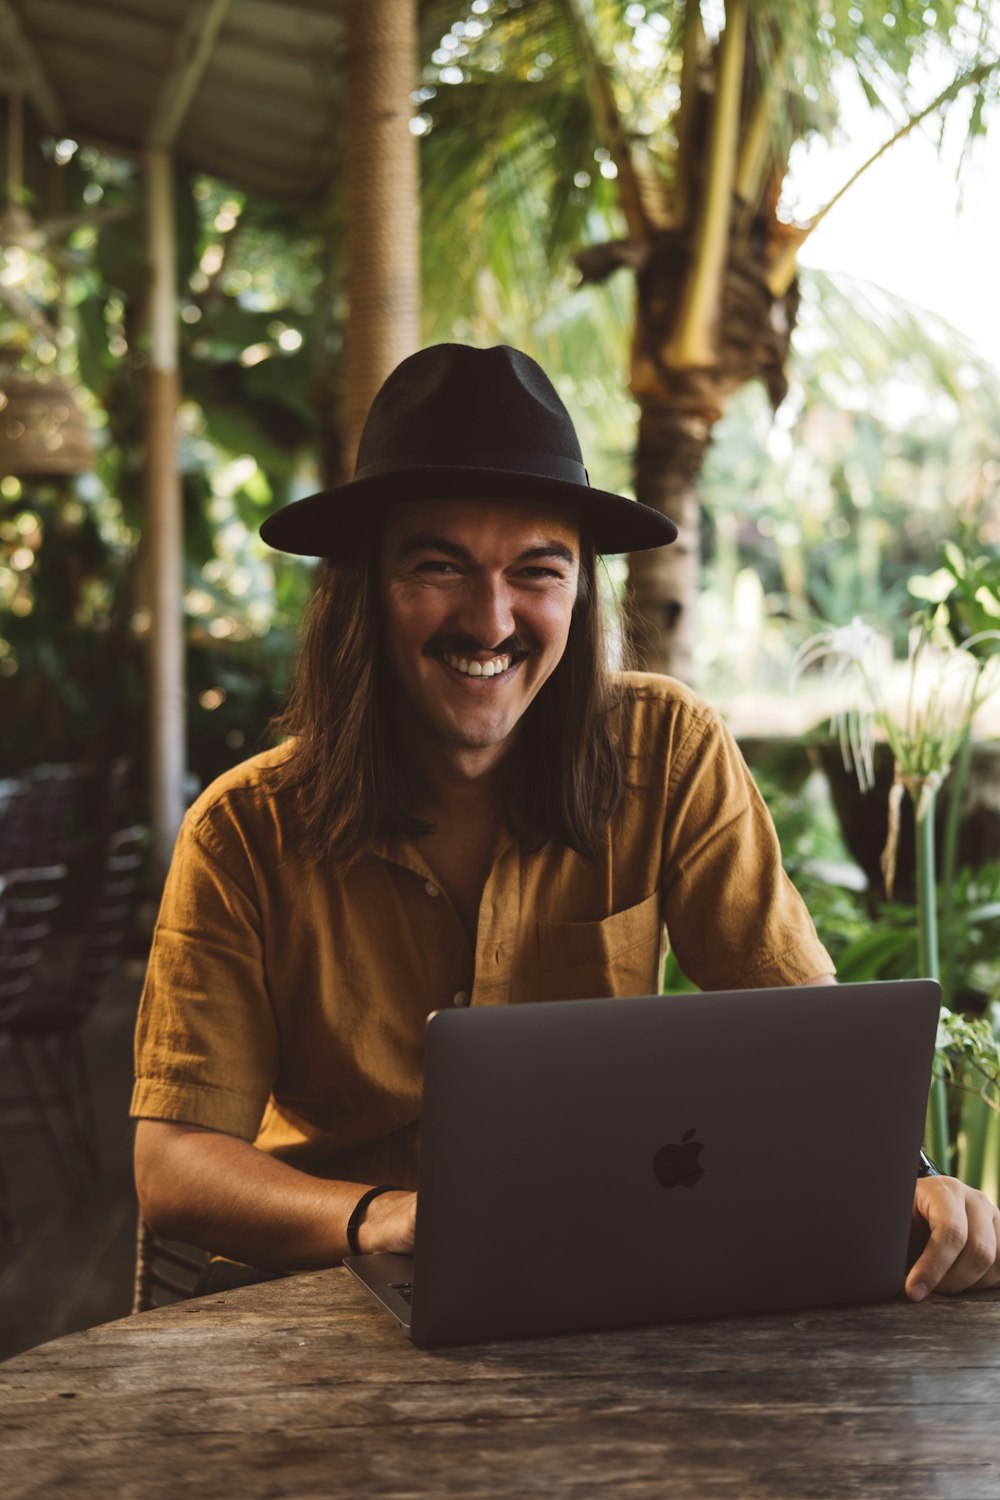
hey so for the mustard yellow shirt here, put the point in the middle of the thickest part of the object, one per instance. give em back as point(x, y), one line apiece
point(287, 1007)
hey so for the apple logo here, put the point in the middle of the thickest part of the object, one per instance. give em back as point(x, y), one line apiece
point(676, 1164)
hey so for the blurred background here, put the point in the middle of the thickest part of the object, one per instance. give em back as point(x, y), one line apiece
point(754, 245)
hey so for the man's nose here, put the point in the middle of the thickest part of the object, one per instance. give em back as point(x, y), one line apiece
point(487, 612)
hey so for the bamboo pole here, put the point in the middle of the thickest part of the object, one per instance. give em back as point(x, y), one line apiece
point(974, 1120)
point(953, 817)
point(383, 251)
point(990, 1181)
point(937, 1134)
point(164, 526)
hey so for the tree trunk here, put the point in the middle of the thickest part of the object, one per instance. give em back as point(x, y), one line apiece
point(663, 583)
point(679, 408)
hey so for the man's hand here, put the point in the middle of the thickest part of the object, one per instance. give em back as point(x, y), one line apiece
point(389, 1224)
point(963, 1248)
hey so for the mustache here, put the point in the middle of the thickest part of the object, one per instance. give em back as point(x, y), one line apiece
point(458, 644)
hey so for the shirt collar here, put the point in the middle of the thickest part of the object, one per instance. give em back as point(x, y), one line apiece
point(396, 850)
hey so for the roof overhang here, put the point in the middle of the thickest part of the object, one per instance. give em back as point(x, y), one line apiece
point(247, 90)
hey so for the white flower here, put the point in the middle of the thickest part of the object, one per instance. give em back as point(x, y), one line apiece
point(853, 656)
point(947, 686)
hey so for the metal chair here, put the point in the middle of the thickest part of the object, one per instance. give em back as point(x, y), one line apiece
point(162, 1267)
point(40, 818)
point(46, 1020)
point(29, 901)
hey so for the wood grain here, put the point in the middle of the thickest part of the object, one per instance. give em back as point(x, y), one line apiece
point(302, 1388)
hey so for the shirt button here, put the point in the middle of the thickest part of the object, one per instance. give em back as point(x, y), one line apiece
point(431, 888)
point(460, 999)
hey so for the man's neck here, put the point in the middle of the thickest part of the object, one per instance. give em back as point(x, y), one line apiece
point(459, 783)
point(453, 781)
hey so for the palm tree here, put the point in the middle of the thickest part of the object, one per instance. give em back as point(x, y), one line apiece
point(570, 115)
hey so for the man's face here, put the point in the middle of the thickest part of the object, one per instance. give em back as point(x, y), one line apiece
point(478, 598)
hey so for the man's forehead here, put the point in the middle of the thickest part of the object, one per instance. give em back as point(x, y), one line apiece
point(514, 523)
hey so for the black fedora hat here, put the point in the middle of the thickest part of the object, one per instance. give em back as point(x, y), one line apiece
point(452, 422)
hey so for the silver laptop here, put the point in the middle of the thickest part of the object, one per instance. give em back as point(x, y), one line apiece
point(598, 1163)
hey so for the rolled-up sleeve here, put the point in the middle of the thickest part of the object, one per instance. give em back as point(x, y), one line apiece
point(206, 1047)
point(733, 917)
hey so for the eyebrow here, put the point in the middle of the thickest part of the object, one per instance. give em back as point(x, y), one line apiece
point(426, 541)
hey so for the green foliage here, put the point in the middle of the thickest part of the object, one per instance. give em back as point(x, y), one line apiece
point(73, 637)
point(877, 939)
point(674, 980)
point(816, 858)
point(965, 591)
point(68, 656)
point(884, 453)
point(966, 1042)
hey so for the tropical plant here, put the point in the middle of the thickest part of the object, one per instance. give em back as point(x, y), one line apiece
point(964, 593)
point(555, 123)
point(947, 684)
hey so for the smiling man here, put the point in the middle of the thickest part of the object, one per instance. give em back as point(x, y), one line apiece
point(457, 574)
point(469, 807)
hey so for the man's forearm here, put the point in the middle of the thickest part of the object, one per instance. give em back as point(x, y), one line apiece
point(220, 1192)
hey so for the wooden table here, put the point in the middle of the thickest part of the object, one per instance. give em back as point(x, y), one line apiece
point(300, 1388)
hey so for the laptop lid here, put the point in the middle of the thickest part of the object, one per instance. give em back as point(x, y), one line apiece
point(598, 1163)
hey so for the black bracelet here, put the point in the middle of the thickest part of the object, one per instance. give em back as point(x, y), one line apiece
point(360, 1209)
point(927, 1167)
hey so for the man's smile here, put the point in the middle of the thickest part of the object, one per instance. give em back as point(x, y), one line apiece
point(502, 664)
point(493, 667)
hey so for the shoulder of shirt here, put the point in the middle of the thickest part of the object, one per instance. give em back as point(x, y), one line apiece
point(244, 788)
point(661, 715)
point(652, 694)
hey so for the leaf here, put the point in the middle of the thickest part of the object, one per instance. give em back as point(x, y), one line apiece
point(955, 559)
point(876, 954)
point(988, 912)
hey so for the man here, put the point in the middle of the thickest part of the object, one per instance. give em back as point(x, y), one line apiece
point(472, 809)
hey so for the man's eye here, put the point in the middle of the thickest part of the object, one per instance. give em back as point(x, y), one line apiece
point(540, 573)
point(436, 565)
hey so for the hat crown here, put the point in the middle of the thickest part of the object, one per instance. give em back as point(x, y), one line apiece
point(456, 406)
point(454, 423)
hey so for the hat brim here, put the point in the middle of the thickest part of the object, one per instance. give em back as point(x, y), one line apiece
point(325, 524)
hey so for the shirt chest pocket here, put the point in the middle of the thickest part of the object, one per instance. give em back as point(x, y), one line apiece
point(622, 955)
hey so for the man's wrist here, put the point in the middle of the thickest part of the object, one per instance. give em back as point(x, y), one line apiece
point(358, 1243)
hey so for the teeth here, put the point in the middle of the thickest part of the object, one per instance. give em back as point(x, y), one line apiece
point(478, 668)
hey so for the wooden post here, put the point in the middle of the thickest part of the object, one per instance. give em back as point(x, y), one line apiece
point(383, 250)
point(164, 524)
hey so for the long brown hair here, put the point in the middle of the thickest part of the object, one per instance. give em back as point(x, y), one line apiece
point(563, 781)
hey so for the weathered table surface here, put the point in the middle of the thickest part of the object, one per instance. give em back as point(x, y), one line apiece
point(301, 1388)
